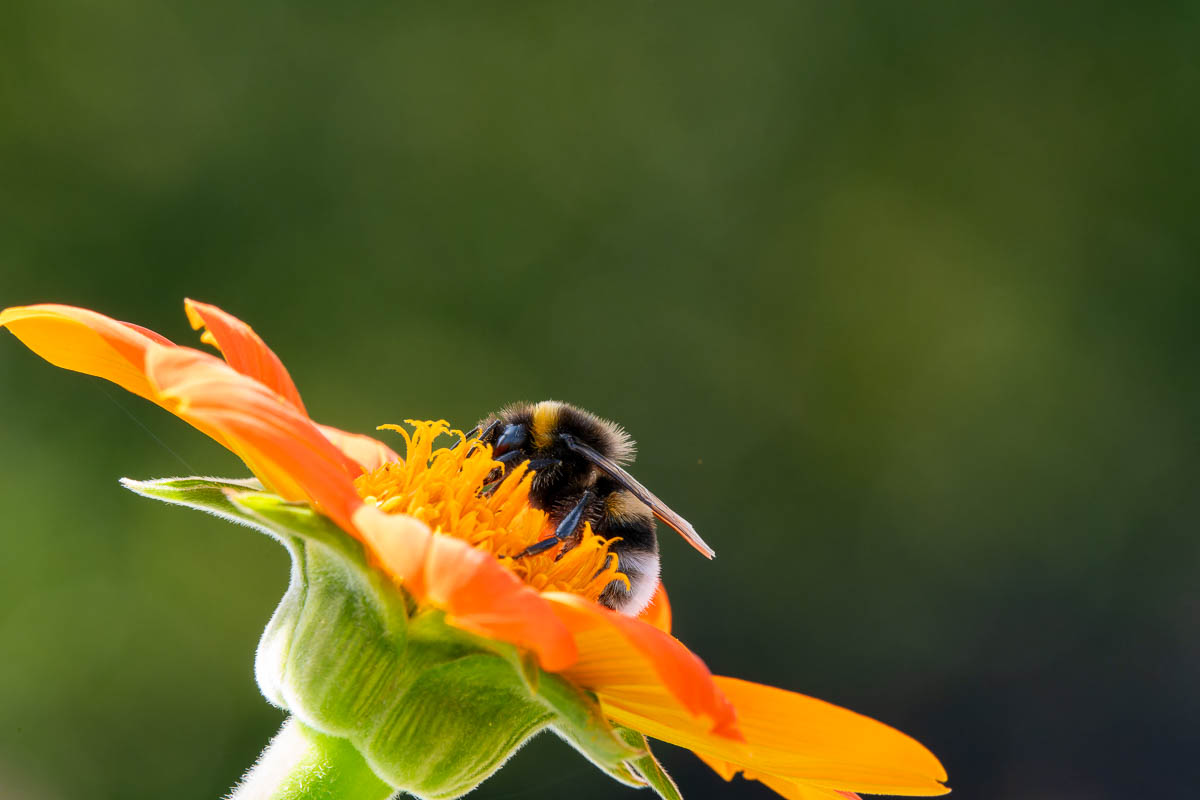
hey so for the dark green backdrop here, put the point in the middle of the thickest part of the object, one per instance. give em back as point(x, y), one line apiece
point(898, 299)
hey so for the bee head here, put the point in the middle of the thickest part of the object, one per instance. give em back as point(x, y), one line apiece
point(537, 432)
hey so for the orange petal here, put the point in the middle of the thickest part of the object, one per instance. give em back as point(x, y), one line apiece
point(84, 341)
point(156, 337)
point(829, 736)
point(278, 442)
point(792, 790)
point(631, 665)
point(243, 349)
point(475, 591)
point(794, 739)
point(802, 791)
point(369, 453)
point(658, 613)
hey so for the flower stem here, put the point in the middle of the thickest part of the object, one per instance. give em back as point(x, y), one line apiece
point(302, 764)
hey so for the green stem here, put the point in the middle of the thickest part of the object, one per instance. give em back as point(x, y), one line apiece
point(302, 764)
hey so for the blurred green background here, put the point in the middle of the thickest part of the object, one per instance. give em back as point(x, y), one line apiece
point(898, 300)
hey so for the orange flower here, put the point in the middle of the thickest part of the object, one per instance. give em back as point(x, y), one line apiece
point(423, 522)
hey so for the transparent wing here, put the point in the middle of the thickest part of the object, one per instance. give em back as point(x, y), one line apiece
point(630, 484)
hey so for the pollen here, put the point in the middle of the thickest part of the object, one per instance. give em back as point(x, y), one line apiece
point(456, 491)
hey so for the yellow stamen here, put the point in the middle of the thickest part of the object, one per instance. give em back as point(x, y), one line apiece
point(442, 489)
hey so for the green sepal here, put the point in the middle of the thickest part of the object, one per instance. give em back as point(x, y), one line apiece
point(433, 709)
point(581, 723)
point(352, 620)
point(202, 494)
point(578, 718)
point(647, 766)
point(359, 602)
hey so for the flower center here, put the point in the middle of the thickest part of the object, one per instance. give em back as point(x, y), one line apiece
point(448, 489)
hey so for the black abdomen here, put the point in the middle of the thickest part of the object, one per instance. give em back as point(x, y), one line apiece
point(617, 514)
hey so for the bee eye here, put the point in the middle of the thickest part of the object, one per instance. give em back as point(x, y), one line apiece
point(512, 436)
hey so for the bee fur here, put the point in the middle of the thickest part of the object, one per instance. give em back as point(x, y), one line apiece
point(576, 451)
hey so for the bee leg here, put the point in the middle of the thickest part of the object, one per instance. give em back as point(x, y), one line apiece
point(508, 458)
point(538, 463)
point(565, 530)
point(495, 477)
point(493, 483)
point(506, 461)
point(466, 437)
point(539, 547)
point(477, 434)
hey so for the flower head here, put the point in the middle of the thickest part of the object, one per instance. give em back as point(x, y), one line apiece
point(424, 548)
point(447, 489)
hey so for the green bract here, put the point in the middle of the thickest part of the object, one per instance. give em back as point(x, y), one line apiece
point(433, 710)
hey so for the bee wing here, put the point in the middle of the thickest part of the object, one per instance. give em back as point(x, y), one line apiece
point(630, 484)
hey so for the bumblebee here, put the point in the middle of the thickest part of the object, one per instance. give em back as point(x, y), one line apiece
point(578, 463)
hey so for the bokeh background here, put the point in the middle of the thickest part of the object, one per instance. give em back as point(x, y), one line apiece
point(898, 299)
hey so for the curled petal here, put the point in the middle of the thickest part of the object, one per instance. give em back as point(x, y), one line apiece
point(84, 341)
point(634, 666)
point(155, 337)
point(258, 422)
point(475, 591)
point(246, 352)
point(243, 349)
point(278, 442)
